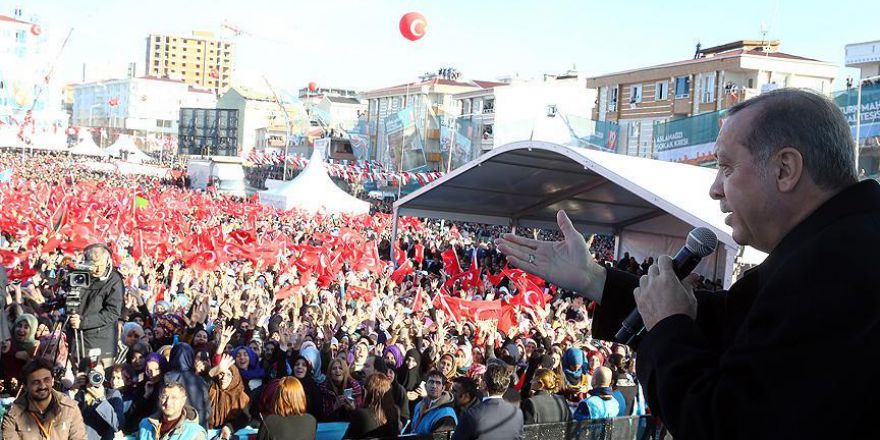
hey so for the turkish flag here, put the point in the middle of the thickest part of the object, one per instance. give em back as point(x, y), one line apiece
point(286, 291)
point(468, 310)
point(399, 254)
point(417, 302)
point(420, 253)
point(516, 274)
point(405, 269)
point(370, 259)
point(359, 293)
point(450, 262)
point(529, 295)
point(495, 279)
point(508, 318)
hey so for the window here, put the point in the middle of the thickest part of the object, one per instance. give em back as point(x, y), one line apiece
point(612, 99)
point(707, 93)
point(478, 106)
point(751, 83)
point(635, 94)
point(682, 87)
point(661, 91)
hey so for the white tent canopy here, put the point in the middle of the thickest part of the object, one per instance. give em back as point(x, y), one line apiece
point(650, 206)
point(313, 190)
point(125, 148)
point(87, 147)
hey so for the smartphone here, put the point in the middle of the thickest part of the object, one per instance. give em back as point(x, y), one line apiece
point(348, 393)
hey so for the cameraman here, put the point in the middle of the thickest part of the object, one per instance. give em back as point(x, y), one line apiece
point(101, 304)
point(102, 408)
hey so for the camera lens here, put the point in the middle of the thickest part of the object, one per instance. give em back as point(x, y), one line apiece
point(96, 378)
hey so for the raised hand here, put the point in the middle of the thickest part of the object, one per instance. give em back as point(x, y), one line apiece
point(566, 263)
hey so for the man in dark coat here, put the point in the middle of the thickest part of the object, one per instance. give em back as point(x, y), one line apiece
point(787, 176)
point(182, 366)
point(493, 418)
point(101, 305)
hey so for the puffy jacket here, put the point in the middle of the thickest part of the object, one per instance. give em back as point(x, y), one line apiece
point(187, 428)
point(67, 422)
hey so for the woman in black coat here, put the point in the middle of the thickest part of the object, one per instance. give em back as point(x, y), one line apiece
point(544, 406)
point(302, 370)
point(287, 419)
point(379, 416)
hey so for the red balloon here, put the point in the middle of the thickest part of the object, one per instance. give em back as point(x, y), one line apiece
point(313, 86)
point(413, 26)
point(36, 29)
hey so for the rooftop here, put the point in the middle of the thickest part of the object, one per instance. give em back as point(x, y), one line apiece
point(415, 86)
point(726, 51)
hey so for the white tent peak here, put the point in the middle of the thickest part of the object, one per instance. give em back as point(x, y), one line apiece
point(124, 147)
point(87, 147)
point(313, 190)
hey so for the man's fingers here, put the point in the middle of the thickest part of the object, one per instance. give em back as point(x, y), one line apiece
point(519, 252)
point(654, 270)
point(516, 239)
point(643, 281)
point(524, 265)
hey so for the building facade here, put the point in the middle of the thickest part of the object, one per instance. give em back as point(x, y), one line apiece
point(30, 99)
point(199, 60)
point(537, 109)
point(261, 121)
point(147, 108)
point(715, 79)
point(431, 99)
point(865, 57)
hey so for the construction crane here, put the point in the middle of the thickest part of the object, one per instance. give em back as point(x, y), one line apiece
point(236, 30)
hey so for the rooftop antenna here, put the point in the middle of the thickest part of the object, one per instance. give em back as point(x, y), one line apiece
point(765, 43)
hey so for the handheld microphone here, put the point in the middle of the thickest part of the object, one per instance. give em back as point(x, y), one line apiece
point(701, 242)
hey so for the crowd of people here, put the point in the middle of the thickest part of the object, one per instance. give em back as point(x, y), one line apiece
point(234, 315)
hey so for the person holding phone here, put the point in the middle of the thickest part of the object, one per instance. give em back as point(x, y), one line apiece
point(340, 393)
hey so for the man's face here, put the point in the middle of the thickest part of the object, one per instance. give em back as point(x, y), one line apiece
point(461, 399)
point(745, 191)
point(39, 384)
point(434, 387)
point(171, 401)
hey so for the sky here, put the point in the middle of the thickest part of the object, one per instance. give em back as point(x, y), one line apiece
point(356, 43)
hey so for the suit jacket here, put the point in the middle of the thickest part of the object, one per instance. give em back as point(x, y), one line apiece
point(752, 363)
point(545, 408)
point(491, 419)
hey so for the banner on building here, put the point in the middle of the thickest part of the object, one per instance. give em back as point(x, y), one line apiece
point(869, 129)
point(690, 140)
point(359, 137)
point(599, 135)
point(405, 149)
point(455, 141)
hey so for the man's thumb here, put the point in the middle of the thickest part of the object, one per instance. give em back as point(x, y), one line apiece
point(565, 225)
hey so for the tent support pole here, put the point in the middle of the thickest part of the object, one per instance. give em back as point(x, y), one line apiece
point(394, 219)
point(617, 234)
point(514, 222)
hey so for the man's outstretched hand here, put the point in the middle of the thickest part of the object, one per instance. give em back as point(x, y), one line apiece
point(567, 263)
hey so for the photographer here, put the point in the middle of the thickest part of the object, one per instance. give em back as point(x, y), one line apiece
point(101, 304)
point(102, 408)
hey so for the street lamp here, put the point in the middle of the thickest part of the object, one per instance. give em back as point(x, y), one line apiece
point(859, 115)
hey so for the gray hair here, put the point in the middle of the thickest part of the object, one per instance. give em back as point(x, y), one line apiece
point(808, 122)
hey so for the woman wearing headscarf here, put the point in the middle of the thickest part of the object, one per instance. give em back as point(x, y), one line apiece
point(147, 402)
point(310, 352)
point(23, 346)
point(302, 370)
point(341, 394)
point(410, 377)
point(249, 366)
point(393, 357)
point(576, 380)
point(463, 359)
point(229, 401)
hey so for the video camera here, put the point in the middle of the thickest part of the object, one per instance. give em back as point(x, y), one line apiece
point(73, 279)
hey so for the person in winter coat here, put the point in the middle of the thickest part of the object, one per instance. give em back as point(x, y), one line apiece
point(435, 412)
point(175, 420)
point(182, 371)
point(229, 401)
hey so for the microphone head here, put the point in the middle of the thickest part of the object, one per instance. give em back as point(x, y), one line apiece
point(702, 242)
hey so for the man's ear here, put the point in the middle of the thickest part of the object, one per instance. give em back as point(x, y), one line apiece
point(789, 164)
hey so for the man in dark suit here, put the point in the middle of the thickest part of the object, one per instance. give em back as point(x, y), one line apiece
point(493, 418)
point(742, 363)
